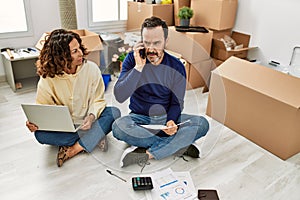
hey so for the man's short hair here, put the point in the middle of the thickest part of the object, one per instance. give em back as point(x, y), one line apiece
point(153, 22)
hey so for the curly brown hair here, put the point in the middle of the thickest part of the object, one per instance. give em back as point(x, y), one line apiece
point(55, 54)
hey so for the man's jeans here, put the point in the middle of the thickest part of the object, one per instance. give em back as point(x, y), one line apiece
point(87, 139)
point(128, 130)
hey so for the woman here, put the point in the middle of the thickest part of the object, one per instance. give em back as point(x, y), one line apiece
point(66, 78)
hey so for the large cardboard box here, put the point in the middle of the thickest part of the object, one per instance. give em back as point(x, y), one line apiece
point(259, 103)
point(89, 39)
point(177, 5)
point(214, 14)
point(193, 46)
point(137, 12)
point(220, 52)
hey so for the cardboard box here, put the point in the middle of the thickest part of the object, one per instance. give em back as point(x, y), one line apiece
point(187, 70)
point(219, 50)
point(259, 103)
point(90, 40)
point(177, 5)
point(217, 62)
point(220, 34)
point(137, 12)
point(214, 14)
point(193, 46)
point(199, 74)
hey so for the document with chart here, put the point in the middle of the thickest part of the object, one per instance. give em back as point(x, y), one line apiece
point(169, 185)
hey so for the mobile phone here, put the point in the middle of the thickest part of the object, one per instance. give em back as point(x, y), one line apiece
point(208, 195)
point(143, 53)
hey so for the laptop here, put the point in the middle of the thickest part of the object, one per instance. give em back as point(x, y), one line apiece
point(50, 117)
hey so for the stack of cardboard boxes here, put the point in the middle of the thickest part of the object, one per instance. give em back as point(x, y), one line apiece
point(202, 51)
point(199, 49)
point(195, 48)
point(219, 16)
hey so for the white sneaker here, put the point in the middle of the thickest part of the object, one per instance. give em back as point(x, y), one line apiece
point(134, 155)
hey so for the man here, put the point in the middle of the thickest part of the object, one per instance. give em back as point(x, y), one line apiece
point(155, 84)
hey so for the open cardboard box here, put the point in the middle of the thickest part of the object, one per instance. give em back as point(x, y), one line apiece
point(219, 50)
point(90, 40)
point(259, 103)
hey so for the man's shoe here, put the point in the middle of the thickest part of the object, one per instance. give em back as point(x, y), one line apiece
point(192, 151)
point(134, 155)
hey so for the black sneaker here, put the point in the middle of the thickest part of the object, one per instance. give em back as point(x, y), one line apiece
point(192, 151)
point(134, 155)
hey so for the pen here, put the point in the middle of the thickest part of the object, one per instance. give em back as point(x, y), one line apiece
point(183, 122)
point(108, 171)
point(31, 49)
point(178, 124)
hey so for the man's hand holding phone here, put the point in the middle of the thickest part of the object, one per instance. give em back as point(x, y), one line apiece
point(139, 56)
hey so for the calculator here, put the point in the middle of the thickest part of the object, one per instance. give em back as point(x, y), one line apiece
point(142, 183)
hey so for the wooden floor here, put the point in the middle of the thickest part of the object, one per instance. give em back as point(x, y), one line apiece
point(237, 168)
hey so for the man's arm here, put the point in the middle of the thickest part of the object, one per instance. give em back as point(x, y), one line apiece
point(129, 77)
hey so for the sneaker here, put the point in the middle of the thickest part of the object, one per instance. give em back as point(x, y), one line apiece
point(191, 151)
point(134, 155)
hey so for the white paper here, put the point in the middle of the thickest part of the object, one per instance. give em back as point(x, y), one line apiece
point(169, 185)
point(160, 127)
point(154, 126)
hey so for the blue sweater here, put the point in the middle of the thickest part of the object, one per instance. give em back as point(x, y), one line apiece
point(157, 90)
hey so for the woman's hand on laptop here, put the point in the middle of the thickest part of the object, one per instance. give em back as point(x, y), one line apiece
point(32, 127)
point(87, 122)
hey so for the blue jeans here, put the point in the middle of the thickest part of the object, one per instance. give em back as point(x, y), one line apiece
point(87, 139)
point(128, 130)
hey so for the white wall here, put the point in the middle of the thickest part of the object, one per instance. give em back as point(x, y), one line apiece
point(273, 26)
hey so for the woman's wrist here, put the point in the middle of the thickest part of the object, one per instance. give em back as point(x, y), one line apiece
point(92, 117)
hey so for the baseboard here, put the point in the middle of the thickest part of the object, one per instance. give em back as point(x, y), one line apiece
point(2, 78)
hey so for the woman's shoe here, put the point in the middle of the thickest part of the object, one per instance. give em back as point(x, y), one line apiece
point(62, 155)
point(103, 144)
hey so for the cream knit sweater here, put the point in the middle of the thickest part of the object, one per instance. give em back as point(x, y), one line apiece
point(82, 92)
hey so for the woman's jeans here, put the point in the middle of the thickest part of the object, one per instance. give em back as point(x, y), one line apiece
point(128, 130)
point(87, 139)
